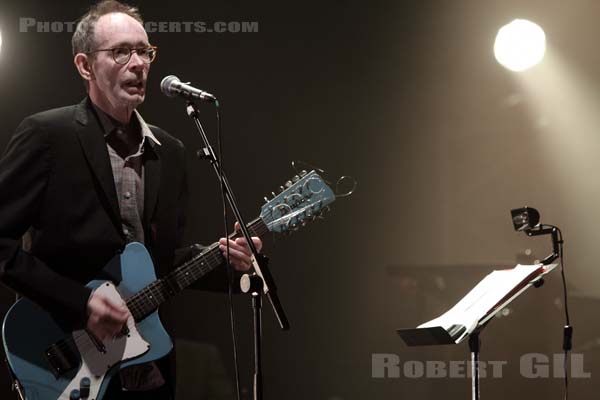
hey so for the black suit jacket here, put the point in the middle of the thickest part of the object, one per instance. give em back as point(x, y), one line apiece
point(56, 183)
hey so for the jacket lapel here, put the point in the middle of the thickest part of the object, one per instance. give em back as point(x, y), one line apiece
point(93, 143)
point(152, 166)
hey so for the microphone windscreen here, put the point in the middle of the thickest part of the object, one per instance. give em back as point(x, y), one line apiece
point(165, 85)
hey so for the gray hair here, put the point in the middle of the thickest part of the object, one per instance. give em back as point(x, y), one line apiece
point(83, 38)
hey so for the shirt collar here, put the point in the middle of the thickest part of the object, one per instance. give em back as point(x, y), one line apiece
point(109, 124)
point(146, 131)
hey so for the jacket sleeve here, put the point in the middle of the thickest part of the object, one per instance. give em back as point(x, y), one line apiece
point(25, 168)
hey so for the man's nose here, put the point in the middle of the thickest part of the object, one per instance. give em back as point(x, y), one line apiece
point(135, 61)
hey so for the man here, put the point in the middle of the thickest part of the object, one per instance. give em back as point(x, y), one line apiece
point(82, 181)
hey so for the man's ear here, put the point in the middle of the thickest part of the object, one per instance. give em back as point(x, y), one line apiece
point(84, 66)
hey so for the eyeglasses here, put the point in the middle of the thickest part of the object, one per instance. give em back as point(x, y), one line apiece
point(122, 55)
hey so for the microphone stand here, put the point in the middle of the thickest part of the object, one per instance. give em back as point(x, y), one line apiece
point(260, 265)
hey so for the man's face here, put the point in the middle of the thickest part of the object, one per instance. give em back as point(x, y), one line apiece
point(121, 85)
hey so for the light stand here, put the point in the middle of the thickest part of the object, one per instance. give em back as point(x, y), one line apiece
point(527, 219)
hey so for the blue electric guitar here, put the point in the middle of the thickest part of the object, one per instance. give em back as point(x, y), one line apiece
point(51, 363)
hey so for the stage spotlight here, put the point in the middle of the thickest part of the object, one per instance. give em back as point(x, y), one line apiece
point(520, 45)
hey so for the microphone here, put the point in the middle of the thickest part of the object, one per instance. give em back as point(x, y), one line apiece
point(172, 86)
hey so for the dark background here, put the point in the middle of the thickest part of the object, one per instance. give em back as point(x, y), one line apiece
point(407, 98)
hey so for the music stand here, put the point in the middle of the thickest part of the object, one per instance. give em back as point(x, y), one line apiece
point(438, 335)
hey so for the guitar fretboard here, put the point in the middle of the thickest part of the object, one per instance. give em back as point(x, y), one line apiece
point(147, 300)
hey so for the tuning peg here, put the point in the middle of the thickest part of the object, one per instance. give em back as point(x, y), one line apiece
point(281, 189)
point(274, 195)
point(323, 211)
point(303, 173)
point(266, 199)
point(296, 178)
point(288, 184)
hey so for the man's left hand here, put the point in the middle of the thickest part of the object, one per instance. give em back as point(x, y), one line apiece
point(240, 255)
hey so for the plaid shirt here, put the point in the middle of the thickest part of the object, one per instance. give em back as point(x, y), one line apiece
point(125, 144)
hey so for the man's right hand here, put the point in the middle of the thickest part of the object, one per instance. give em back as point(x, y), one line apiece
point(105, 318)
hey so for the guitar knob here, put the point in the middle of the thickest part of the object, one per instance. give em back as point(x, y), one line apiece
point(74, 395)
point(84, 387)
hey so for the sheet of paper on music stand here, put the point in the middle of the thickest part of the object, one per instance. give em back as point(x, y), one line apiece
point(496, 289)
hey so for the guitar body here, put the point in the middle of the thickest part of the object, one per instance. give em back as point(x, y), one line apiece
point(29, 331)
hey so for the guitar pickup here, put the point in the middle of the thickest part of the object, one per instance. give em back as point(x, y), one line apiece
point(62, 357)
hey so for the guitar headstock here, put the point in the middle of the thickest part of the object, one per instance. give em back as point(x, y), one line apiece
point(303, 199)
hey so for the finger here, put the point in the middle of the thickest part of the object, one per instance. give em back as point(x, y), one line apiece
point(238, 244)
point(234, 253)
point(240, 265)
point(257, 243)
point(240, 260)
point(116, 318)
point(116, 305)
point(237, 226)
point(99, 331)
point(119, 308)
point(256, 240)
point(100, 334)
point(110, 324)
point(112, 320)
point(241, 242)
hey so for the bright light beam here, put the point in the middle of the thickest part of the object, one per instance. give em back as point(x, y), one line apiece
point(520, 45)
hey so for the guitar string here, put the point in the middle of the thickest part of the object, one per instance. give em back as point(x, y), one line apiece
point(139, 305)
point(139, 308)
point(136, 302)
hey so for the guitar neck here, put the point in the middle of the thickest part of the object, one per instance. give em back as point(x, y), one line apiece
point(147, 300)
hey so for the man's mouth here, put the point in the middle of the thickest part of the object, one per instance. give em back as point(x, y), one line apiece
point(135, 84)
